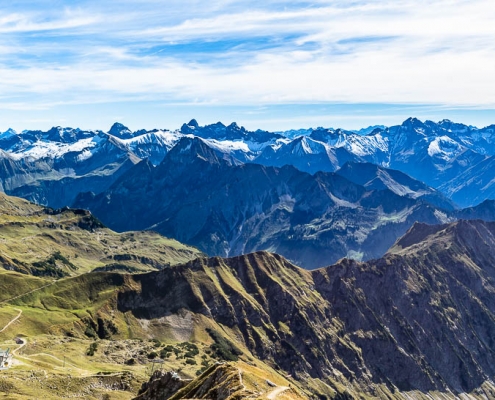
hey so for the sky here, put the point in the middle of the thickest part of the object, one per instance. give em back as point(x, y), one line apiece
point(272, 65)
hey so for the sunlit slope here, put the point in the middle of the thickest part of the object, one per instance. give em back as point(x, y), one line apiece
point(57, 243)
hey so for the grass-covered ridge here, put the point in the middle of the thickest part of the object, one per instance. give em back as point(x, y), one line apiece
point(57, 243)
point(380, 329)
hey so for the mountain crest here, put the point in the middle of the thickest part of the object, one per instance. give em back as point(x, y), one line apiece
point(190, 150)
point(8, 132)
point(121, 131)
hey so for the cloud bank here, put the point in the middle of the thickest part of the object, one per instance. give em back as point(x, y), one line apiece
point(220, 53)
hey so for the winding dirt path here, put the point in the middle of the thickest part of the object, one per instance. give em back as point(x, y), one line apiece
point(13, 320)
point(240, 379)
point(274, 393)
point(31, 291)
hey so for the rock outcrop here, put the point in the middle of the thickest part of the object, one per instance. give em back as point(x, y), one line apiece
point(220, 382)
point(162, 385)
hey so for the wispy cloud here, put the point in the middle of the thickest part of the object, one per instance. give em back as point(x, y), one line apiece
point(22, 23)
point(223, 52)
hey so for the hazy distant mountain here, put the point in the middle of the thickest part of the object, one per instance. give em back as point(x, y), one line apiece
point(266, 208)
point(52, 167)
point(307, 155)
point(231, 132)
point(202, 197)
point(374, 177)
point(437, 154)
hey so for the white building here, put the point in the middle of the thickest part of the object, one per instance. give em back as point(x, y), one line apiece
point(5, 358)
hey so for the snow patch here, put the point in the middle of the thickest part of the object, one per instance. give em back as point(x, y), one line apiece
point(85, 155)
point(42, 149)
point(444, 147)
point(227, 146)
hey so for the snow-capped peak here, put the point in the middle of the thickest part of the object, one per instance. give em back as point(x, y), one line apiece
point(121, 131)
point(8, 132)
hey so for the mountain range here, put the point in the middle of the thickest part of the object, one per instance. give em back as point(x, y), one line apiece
point(313, 196)
point(434, 153)
point(200, 197)
point(418, 322)
point(430, 327)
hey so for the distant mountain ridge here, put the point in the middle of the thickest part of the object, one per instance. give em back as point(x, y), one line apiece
point(229, 190)
point(204, 197)
point(451, 157)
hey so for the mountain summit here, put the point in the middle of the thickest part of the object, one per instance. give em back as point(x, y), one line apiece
point(121, 131)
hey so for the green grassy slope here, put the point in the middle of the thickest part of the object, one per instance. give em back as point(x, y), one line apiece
point(49, 243)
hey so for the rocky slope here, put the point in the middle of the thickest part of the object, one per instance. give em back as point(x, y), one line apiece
point(418, 323)
point(221, 382)
point(203, 197)
point(420, 320)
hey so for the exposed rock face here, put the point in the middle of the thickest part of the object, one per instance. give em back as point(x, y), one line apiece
point(220, 382)
point(421, 318)
point(162, 385)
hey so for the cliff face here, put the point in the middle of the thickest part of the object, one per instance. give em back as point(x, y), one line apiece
point(421, 318)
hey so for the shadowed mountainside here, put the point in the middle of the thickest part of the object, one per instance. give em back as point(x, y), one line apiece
point(201, 197)
point(421, 318)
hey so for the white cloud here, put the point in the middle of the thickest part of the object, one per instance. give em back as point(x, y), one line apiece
point(18, 23)
point(402, 51)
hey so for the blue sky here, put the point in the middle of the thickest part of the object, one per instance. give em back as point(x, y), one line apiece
point(273, 65)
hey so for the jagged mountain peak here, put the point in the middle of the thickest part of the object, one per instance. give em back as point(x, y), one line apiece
point(8, 132)
point(121, 131)
point(240, 130)
point(190, 127)
point(193, 123)
point(306, 145)
point(191, 149)
point(413, 121)
point(234, 125)
point(449, 125)
point(232, 132)
point(64, 135)
point(445, 121)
